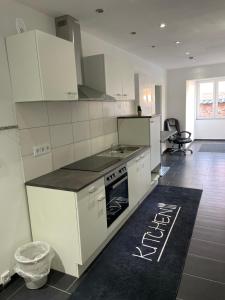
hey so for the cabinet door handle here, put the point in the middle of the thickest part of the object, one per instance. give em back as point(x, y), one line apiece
point(125, 95)
point(92, 189)
point(118, 94)
point(152, 122)
point(101, 198)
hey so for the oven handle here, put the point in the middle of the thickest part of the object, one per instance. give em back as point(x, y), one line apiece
point(119, 182)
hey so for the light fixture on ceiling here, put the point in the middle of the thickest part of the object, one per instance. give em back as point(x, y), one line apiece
point(191, 57)
point(178, 42)
point(162, 25)
point(133, 32)
point(187, 53)
point(99, 10)
point(153, 46)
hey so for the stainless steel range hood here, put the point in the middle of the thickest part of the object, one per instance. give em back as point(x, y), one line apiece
point(68, 28)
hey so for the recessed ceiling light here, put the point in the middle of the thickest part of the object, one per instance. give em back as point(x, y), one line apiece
point(99, 10)
point(187, 53)
point(178, 42)
point(162, 25)
point(133, 32)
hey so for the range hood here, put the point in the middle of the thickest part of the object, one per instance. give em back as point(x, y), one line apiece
point(68, 28)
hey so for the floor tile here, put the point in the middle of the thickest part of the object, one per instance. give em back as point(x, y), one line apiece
point(60, 280)
point(12, 287)
point(207, 249)
point(209, 234)
point(205, 268)
point(193, 288)
point(45, 293)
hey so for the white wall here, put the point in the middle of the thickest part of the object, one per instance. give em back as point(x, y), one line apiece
point(14, 222)
point(155, 74)
point(176, 98)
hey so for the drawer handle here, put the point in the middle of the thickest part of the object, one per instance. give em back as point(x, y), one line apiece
point(92, 189)
point(72, 93)
point(101, 198)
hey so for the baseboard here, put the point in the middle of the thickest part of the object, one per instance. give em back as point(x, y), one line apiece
point(213, 140)
point(14, 277)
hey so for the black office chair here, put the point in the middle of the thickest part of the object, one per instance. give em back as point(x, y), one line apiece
point(180, 138)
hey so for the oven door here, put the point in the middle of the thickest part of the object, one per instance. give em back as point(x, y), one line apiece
point(116, 198)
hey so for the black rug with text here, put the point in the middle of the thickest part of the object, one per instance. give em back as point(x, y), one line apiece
point(145, 260)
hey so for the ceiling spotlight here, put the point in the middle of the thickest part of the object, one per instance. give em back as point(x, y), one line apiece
point(133, 32)
point(99, 10)
point(162, 25)
point(177, 42)
point(187, 53)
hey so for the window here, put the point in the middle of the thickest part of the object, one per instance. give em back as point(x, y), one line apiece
point(211, 99)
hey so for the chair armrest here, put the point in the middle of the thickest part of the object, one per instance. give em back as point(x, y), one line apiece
point(189, 133)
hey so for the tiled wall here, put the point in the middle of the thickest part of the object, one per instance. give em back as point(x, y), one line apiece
point(73, 129)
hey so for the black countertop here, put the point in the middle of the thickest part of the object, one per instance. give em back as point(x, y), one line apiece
point(73, 180)
point(137, 117)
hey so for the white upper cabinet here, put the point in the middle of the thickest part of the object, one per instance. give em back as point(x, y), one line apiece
point(110, 75)
point(42, 67)
point(127, 81)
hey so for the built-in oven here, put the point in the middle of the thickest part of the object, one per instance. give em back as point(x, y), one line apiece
point(116, 187)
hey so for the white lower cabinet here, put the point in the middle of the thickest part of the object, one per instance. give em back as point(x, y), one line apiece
point(139, 178)
point(74, 224)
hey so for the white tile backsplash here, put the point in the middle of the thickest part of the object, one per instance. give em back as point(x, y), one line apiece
point(96, 128)
point(75, 130)
point(31, 114)
point(33, 137)
point(82, 149)
point(97, 144)
point(37, 166)
point(95, 110)
point(61, 135)
point(81, 131)
point(62, 156)
point(59, 112)
point(82, 111)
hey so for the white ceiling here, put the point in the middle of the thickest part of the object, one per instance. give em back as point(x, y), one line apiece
point(198, 24)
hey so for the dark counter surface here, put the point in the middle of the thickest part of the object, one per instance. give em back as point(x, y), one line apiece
point(137, 117)
point(73, 180)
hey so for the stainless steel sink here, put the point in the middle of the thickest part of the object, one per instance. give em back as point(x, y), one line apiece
point(119, 151)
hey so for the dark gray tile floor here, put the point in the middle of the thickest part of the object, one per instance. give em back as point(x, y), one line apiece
point(204, 272)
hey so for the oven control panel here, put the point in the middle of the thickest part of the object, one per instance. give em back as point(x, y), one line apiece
point(115, 174)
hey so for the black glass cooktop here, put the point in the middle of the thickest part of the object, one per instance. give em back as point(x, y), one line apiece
point(93, 163)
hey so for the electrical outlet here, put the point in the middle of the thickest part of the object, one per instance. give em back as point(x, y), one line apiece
point(41, 149)
point(5, 277)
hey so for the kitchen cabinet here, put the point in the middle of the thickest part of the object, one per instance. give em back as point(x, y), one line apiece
point(74, 224)
point(143, 131)
point(42, 67)
point(110, 75)
point(155, 141)
point(139, 178)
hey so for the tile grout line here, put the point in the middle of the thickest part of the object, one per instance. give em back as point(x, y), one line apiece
point(199, 226)
point(208, 258)
point(54, 287)
point(69, 287)
point(203, 278)
point(15, 292)
point(220, 244)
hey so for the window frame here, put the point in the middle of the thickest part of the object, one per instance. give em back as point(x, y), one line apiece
point(215, 82)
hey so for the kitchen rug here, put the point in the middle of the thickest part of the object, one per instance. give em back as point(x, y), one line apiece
point(212, 148)
point(145, 260)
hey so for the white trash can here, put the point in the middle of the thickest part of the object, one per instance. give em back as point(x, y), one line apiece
point(33, 263)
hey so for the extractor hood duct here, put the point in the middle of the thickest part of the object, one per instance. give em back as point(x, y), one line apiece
point(68, 28)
